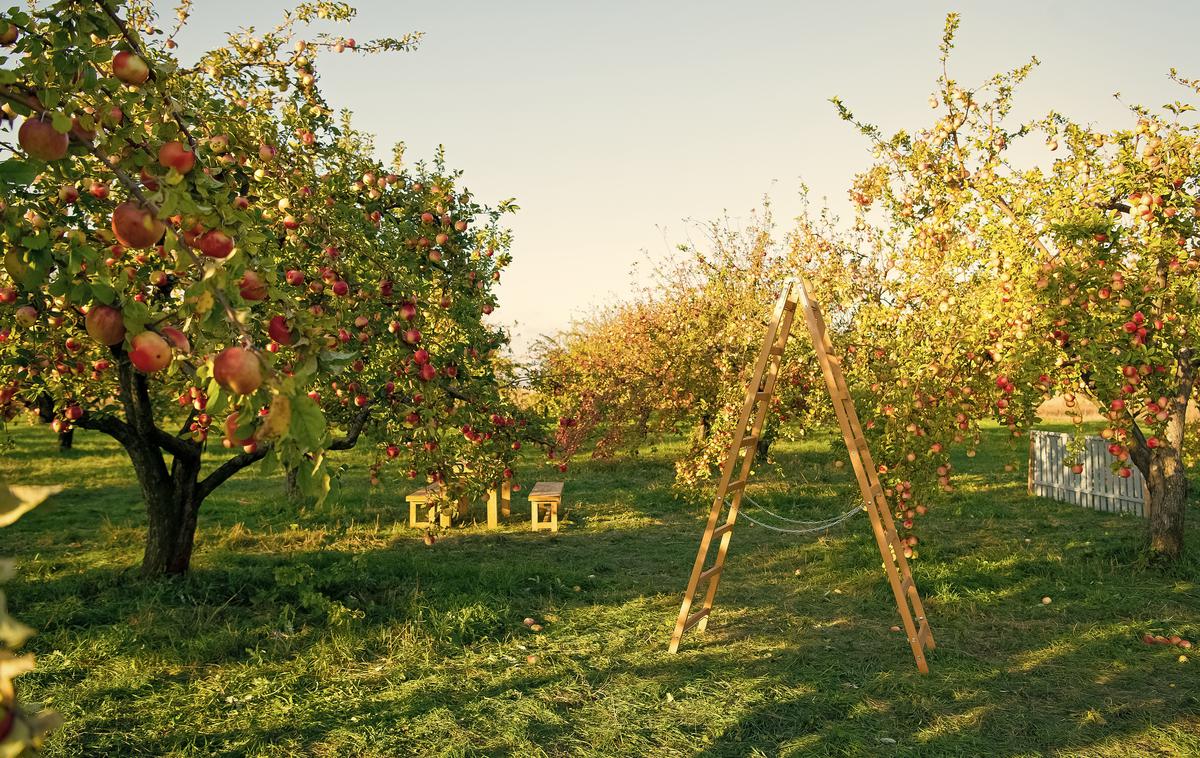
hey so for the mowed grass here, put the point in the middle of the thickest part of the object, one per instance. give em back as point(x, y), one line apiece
point(333, 631)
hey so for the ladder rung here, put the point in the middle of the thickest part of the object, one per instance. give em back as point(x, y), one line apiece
point(790, 305)
point(720, 530)
point(749, 441)
point(923, 634)
point(761, 396)
point(735, 486)
point(710, 573)
point(695, 618)
point(778, 349)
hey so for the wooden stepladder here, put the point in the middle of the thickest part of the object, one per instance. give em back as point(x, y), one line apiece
point(740, 458)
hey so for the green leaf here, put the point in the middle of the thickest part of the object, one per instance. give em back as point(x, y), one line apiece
point(135, 316)
point(217, 399)
point(104, 293)
point(18, 172)
point(314, 479)
point(334, 363)
point(308, 423)
point(61, 123)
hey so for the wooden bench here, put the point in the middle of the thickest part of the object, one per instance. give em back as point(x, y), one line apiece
point(498, 502)
point(548, 494)
point(425, 497)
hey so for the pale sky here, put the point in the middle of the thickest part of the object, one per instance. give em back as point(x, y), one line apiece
point(613, 123)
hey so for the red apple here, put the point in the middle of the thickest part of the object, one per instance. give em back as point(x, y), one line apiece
point(41, 140)
point(408, 311)
point(105, 325)
point(26, 315)
point(279, 331)
point(177, 338)
point(136, 226)
point(130, 68)
point(238, 369)
point(8, 33)
point(215, 244)
point(68, 193)
point(231, 425)
point(150, 352)
point(176, 155)
point(340, 288)
point(252, 286)
point(294, 277)
point(81, 134)
point(428, 373)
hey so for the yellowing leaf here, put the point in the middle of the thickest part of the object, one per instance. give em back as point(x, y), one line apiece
point(17, 500)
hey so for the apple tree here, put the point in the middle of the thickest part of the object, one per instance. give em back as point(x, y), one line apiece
point(206, 254)
point(1079, 270)
point(674, 358)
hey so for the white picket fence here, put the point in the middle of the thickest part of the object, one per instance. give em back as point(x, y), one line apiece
point(1097, 487)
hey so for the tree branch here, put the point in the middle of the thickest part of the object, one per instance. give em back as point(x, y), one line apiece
point(124, 179)
point(36, 106)
point(228, 469)
point(187, 423)
point(110, 425)
point(352, 433)
point(242, 460)
point(1139, 452)
point(177, 446)
point(139, 49)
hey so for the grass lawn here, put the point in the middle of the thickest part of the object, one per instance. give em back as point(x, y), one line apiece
point(334, 631)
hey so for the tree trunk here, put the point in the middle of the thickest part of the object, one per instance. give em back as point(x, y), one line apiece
point(172, 504)
point(173, 497)
point(291, 486)
point(1166, 478)
point(770, 432)
point(1168, 499)
point(66, 439)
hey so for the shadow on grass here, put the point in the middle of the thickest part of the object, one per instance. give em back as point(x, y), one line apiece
point(246, 656)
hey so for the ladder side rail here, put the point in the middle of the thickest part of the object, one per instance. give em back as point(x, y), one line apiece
point(868, 484)
point(760, 366)
point(882, 505)
point(768, 388)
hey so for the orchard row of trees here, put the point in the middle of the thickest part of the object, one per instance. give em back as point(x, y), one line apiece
point(971, 285)
point(209, 256)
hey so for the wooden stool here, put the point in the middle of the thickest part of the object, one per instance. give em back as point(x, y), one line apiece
point(424, 497)
point(550, 495)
